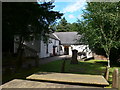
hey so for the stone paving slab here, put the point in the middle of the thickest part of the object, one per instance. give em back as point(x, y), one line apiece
point(70, 78)
point(18, 83)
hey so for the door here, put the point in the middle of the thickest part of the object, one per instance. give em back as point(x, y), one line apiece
point(53, 51)
point(66, 50)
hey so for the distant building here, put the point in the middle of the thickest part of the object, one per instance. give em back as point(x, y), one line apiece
point(51, 48)
point(59, 43)
point(39, 48)
point(70, 41)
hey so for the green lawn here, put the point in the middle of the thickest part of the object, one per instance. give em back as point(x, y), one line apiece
point(93, 67)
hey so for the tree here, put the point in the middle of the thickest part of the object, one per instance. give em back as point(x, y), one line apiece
point(100, 27)
point(73, 27)
point(27, 20)
point(63, 26)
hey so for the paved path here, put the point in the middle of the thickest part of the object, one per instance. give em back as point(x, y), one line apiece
point(98, 80)
point(49, 59)
point(46, 60)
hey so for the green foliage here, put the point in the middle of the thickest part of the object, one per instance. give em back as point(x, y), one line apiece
point(73, 27)
point(64, 26)
point(28, 20)
point(100, 26)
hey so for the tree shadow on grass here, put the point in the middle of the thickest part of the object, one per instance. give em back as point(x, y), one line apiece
point(101, 62)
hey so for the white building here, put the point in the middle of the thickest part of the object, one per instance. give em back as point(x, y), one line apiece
point(59, 43)
point(39, 48)
point(69, 41)
point(51, 48)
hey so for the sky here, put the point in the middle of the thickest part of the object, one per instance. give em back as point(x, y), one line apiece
point(72, 9)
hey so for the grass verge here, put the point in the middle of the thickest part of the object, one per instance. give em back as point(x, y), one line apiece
point(93, 67)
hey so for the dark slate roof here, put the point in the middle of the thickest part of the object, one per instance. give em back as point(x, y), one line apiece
point(53, 36)
point(68, 38)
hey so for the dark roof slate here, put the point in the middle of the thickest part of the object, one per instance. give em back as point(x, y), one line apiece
point(53, 36)
point(68, 38)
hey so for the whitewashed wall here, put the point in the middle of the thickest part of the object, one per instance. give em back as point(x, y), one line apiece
point(35, 45)
point(80, 48)
point(43, 50)
point(70, 50)
point(56, 43)
point(62, 49)
point(52, 42)
point(40, 47)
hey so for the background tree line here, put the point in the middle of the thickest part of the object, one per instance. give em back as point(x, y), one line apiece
point(64, 26)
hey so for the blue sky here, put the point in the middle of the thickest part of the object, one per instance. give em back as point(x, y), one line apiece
point(72, 9)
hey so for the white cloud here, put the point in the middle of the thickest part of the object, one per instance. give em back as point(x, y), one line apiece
point(79, 4)
point(84, 7)
point(71, 16)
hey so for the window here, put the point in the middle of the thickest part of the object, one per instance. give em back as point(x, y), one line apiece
point(47, 48)
point(60, 48)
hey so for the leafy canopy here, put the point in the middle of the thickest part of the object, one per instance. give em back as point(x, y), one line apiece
point(100, 27)
point(28, 19)
point(64, 26)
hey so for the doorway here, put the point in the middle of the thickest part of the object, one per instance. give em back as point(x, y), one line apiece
point(66, 50)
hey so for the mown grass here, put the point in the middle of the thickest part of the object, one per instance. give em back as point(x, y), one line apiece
point(87, 67)
point(93, 67)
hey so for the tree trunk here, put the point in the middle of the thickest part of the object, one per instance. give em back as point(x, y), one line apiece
point(19, 46)
point(108, 61)
point(107, 73)
point(107, 69)
point(20, 53)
